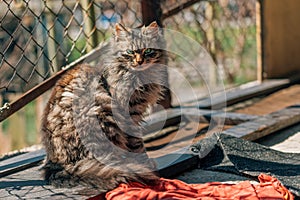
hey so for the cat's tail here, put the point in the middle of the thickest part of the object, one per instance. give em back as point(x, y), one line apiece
point(91, 172)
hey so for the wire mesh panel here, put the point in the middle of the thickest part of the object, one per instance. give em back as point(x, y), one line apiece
point(225, 28)
point(38, 37)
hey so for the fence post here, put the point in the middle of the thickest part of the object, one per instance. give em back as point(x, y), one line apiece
point(51, 43)
point(210, 35)
point(259, 44)
point(89, 24)
point(151, 11)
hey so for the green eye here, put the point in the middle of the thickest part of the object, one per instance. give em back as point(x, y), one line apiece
point(148, 51)
point(129, 51)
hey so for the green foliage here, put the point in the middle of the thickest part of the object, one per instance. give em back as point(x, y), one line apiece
point(5, 124)
point(30, 118)
point(77, 48)
point(226, 40)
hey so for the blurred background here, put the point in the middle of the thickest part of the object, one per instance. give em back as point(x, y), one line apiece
point(39, 37)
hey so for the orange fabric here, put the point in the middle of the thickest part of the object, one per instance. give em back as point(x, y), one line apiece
point(268, 188)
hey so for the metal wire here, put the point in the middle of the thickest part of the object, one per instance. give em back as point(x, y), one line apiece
point(225, 28)
point(39, 37)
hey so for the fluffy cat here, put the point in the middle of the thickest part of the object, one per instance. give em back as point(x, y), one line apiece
point(91, 125)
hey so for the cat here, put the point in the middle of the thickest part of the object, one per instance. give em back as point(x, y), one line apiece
point(91, 127)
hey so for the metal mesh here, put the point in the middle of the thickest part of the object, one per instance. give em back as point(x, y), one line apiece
point(226, 29)
point(39, 37)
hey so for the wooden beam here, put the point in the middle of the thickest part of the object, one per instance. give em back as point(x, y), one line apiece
point(172, 116)
point(267, 124)
point(181, 160)
point(230, 97)
point(251, 128)
point(259, 41)
point(205, 116)
point(21, 162)
point(179, 8)
point(151, 11)
point(155, 122)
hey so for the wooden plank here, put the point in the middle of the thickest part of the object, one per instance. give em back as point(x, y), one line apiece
point(179, 8)
point(250, 130)
point(173, 116)
point(154, 122)
point(161, 119)
point(181, 160)
point(267, 124)
point(227, 118)
point(221, 100)
point(21, 162)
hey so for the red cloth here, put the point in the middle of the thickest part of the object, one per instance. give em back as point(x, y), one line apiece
point(268, 188)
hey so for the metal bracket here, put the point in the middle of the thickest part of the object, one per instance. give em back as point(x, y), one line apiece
point(6, 106)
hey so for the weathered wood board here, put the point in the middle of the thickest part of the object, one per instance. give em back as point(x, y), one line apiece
point(26, 183)
point(267, 124)
point(280, 33)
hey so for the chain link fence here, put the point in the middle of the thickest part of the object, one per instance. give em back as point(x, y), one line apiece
point(39, 37)
point(226, 29)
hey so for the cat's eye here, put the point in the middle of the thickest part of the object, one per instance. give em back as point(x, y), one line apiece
point(148, 52)
point(129, 51)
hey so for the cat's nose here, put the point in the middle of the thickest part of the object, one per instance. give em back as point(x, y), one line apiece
point(140, 62)
point(139, 59)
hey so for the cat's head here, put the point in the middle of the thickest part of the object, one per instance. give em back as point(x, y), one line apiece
point(139, 49)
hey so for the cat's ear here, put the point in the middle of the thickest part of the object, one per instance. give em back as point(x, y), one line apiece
point(153, 25)
point(152, 29)
point(119, 29)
